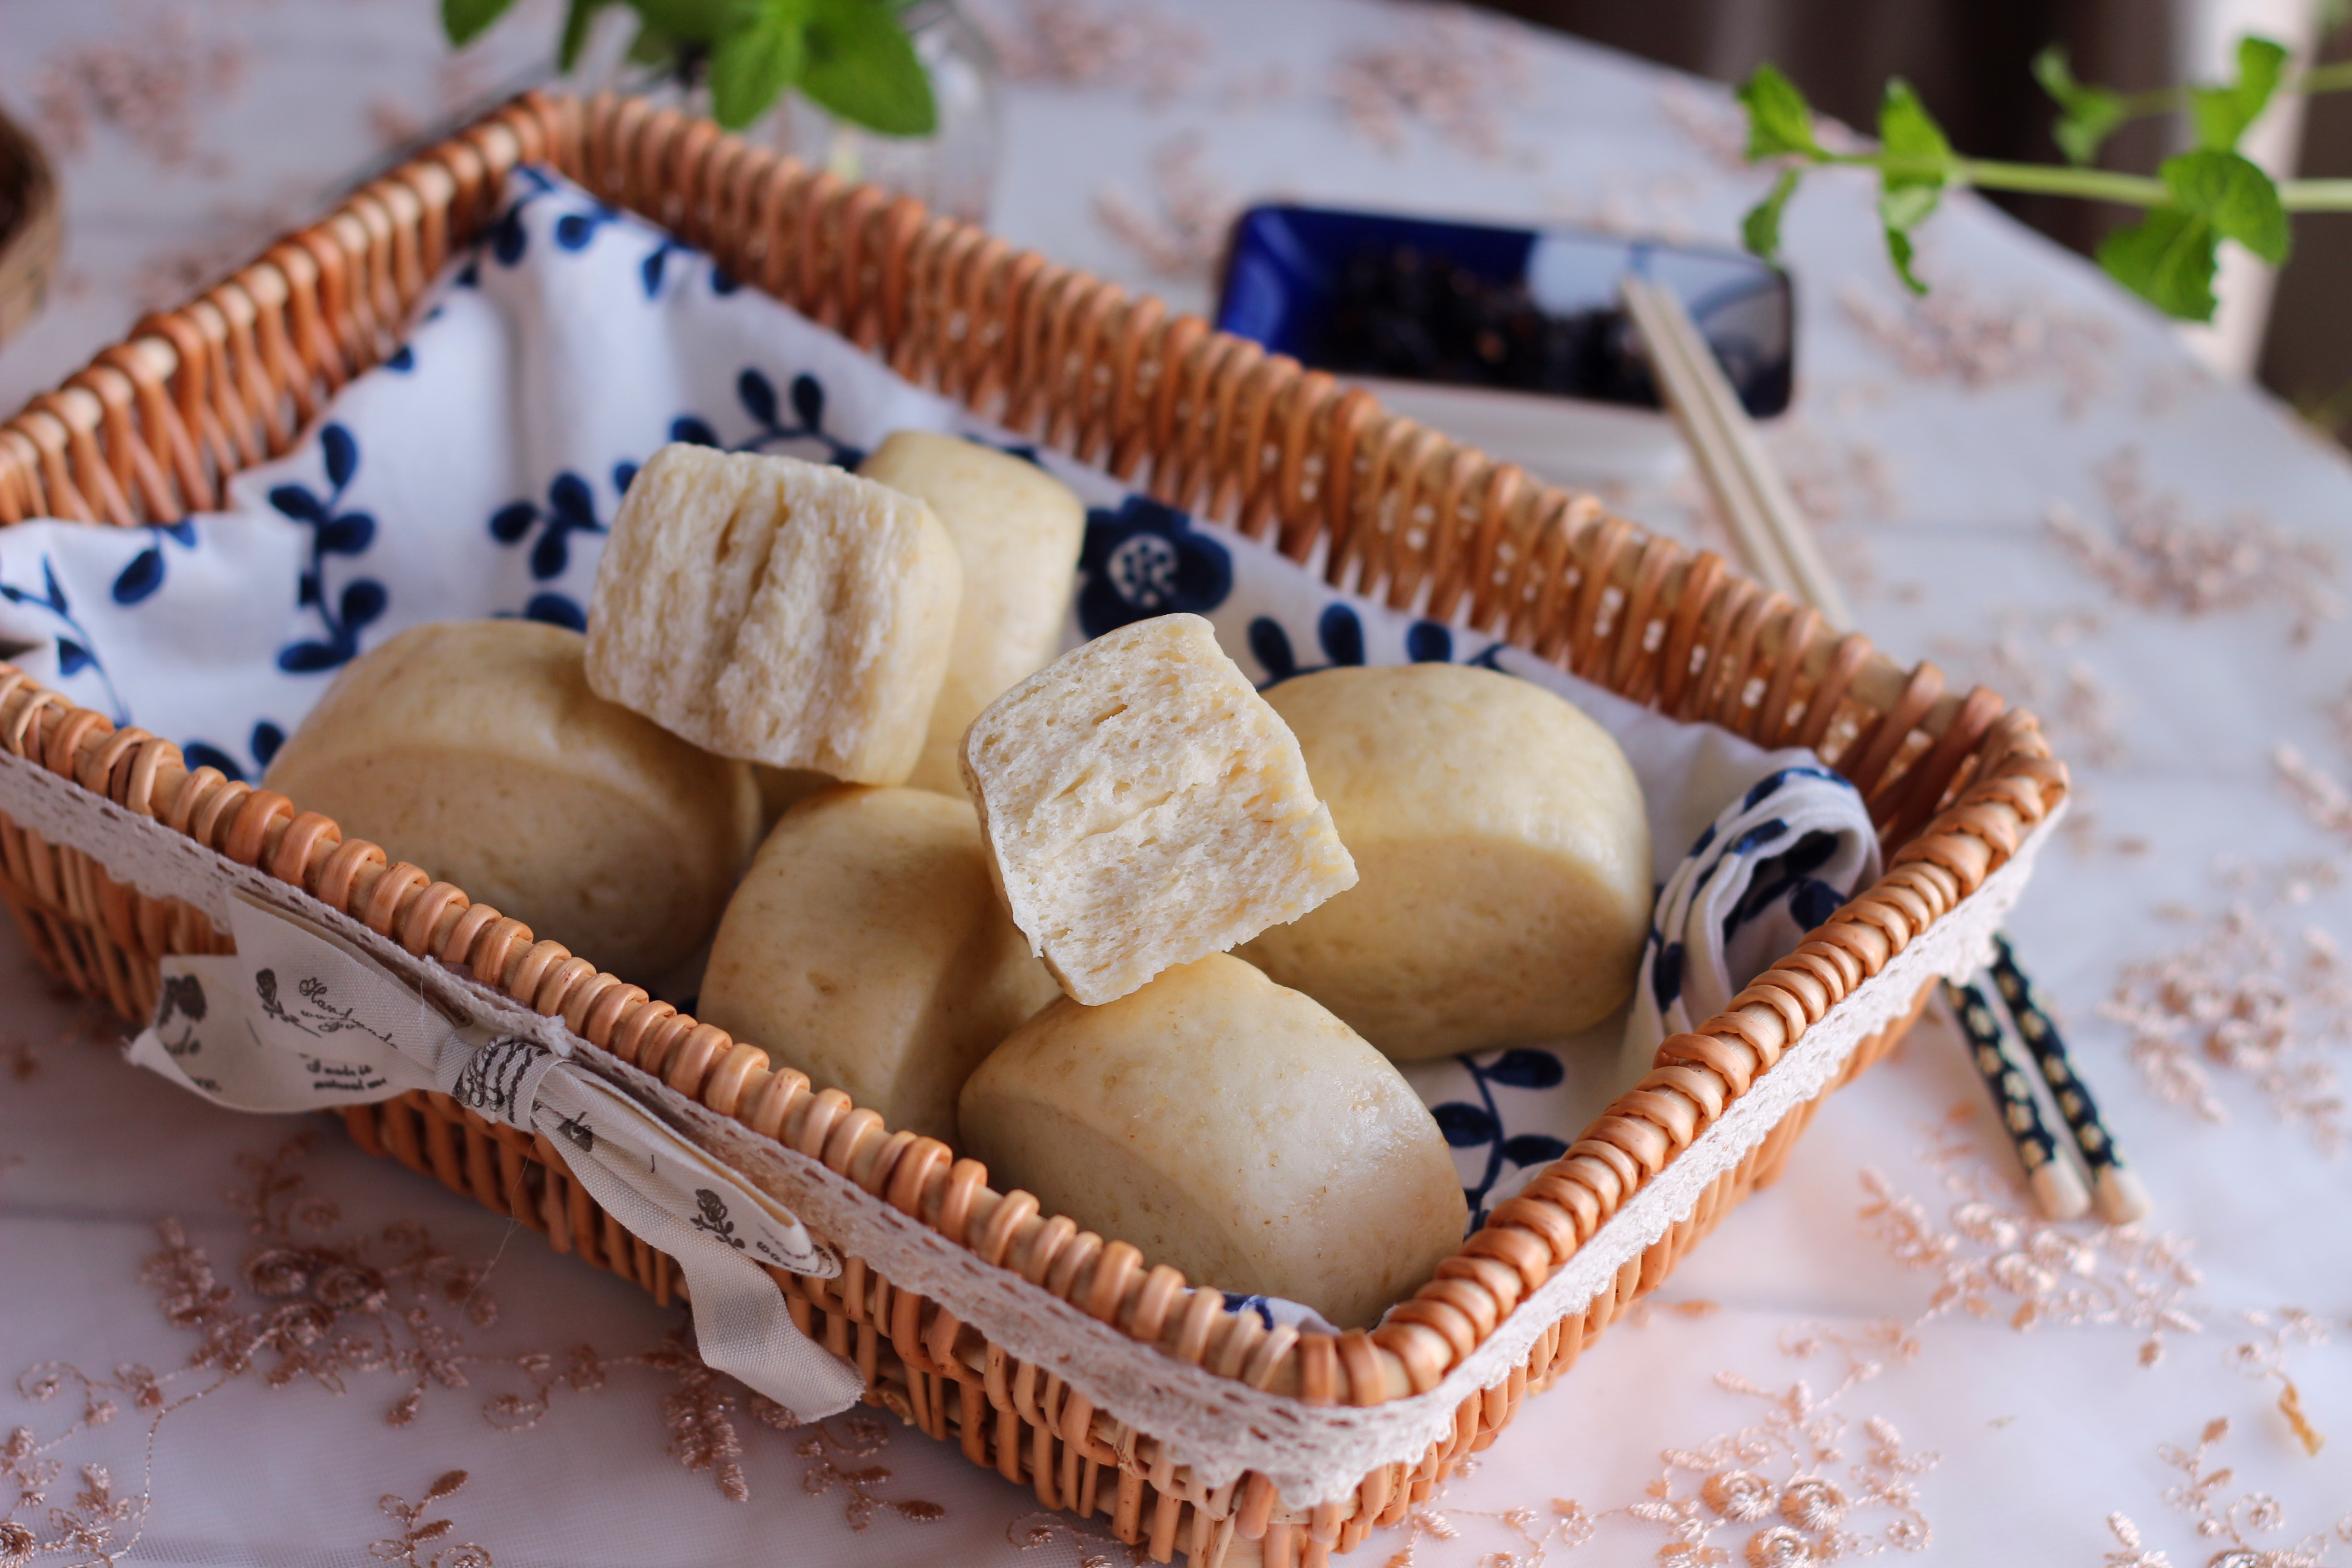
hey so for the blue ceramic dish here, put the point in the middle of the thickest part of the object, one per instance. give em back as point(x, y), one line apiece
point(1362, 293)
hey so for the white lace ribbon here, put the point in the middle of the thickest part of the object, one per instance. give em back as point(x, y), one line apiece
point(299, 1020)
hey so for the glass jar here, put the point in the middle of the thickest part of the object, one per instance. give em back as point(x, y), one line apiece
point(951, 171)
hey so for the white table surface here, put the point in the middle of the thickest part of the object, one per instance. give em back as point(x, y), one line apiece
point(2024, 478)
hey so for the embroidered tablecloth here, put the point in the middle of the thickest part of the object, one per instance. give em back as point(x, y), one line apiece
point(236, 1340)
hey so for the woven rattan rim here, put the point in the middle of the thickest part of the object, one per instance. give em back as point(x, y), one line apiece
point(153, 428)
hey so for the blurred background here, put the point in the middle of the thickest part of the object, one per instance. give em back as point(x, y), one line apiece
point(155, 117)
point(1971, 61)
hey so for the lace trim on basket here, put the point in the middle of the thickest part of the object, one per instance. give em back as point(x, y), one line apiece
point(1217, 1427)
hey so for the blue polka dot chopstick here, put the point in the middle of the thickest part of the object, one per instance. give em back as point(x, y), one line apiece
point(2120, 1195)
point(2057, 1189)
point(1782, 553)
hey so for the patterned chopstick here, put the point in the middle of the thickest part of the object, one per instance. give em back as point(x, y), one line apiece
point(2057, 1190)
point(1772, 535)
point(2121, 1196)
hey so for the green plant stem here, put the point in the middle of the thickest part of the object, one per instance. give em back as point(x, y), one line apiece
point(2047, 179)
point(2334, 78)
point(2065, 180)
point(2154, 100)
point(2316, 196)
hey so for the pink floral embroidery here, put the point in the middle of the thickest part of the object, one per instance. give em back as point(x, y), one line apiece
point(1993, 1257)
point(1953, 335)
point(84, 1526)
point(308, 1305)
point(1183, 234)
point(2157, 559)
point(2264, 1358)
point(1082, 43)
point(1452, 69)
point(2324, 802)
point(1773, 1486)
point(2340, 719)
point(1785, 1489)
point(417, 1532)
point(1096, 1548)
point(2232, 1523)
point(150, 90)
point(2245, 1000)
point(1533, 1532)
point(2036, 660)
point(859, 1437)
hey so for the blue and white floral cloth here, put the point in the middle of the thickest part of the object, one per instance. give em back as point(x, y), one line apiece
point(1777, 863)
point(476, 472)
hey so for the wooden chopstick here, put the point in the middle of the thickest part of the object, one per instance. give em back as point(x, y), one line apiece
point(1683, 385)
point(1780, 550)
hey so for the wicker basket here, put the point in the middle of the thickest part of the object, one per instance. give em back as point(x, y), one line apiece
point(30, 234)
point(154, 428)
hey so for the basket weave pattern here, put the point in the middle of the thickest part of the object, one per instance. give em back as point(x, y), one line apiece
point(153, 429)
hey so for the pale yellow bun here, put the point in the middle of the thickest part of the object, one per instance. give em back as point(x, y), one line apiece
point(1504, 855)
point(1229, 1128)
point(867, 948)
point(476, 750)
point(783, 612)
point(1145, 807)
point(1017, 531)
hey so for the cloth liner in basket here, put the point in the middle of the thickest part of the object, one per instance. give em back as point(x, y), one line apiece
point(1061, 1360)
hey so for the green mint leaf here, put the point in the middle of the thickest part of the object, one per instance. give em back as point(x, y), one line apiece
point(703, 22)
point(1778, 120)
point(1898, 251)
point(1907, 132)
point(1760, 229)
point(751, 68)
point(2054, 68)
point(2081, 134)
point(1903, 205)
point(862, 66)
point(2086, 115)
point(2168, 259)
point(2235, 196)
point(578, 18)
point(2222, 114)
point(465, 20)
